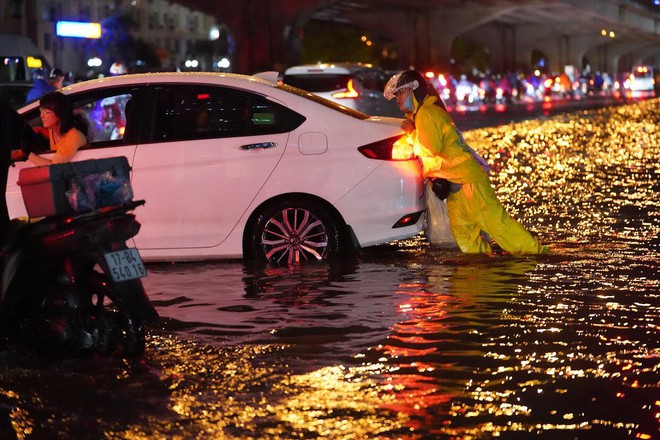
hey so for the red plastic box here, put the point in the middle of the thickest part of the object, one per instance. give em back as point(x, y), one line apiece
point(44, 188)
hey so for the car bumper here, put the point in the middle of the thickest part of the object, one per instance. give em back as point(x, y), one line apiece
point(372, 208)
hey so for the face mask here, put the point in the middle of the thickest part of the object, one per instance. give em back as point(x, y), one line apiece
point(408, 104)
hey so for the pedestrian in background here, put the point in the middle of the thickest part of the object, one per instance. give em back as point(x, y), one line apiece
point(44, 83)
point(472, 204)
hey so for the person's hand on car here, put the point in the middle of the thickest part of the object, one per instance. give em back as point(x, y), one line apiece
point(408, 126)
point(18, 156)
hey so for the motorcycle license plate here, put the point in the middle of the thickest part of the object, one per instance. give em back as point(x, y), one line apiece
point(125, 265)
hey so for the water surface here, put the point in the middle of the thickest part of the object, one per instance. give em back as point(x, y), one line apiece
point(406, 340)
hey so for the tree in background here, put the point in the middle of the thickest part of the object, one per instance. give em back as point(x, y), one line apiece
point(334, 42)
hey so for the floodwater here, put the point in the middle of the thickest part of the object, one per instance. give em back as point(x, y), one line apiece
point(406, 341)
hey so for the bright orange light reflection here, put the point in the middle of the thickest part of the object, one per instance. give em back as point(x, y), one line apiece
point(402, 150)
point(349, 93)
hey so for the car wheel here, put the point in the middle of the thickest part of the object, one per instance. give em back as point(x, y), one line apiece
point(294, 232)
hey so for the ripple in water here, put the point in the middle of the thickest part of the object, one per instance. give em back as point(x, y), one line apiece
point(407, 341)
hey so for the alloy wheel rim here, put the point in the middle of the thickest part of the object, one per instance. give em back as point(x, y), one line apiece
point(294, 235)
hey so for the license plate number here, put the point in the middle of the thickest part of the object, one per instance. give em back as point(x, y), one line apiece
point(125, 264)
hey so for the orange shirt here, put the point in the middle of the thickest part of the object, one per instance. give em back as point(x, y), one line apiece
point(67, 146)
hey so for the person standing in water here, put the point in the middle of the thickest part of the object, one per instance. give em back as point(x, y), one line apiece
point(472, 204)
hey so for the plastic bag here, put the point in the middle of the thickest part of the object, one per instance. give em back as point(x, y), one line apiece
point(77, 198)
point(437, 220)
point(97, 190)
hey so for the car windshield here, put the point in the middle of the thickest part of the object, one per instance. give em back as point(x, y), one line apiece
point(318, 82)
point(323, 101)
point(643, 74)
point(12, 68)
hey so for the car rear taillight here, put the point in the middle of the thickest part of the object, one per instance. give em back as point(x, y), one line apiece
point(394, 148)
point(408, 220)
point(349, 93)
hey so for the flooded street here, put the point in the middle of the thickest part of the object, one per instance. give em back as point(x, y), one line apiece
point(406, 340)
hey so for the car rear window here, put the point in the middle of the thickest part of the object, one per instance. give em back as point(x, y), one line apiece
point(187, 112)
point(316, 83)
point(320, 100)
point(643, 74)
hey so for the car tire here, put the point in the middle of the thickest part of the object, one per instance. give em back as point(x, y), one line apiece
point(293, 232)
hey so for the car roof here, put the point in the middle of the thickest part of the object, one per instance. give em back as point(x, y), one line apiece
point(170, 77)
point(14, 44)
point(236, 80)
point(325, 68)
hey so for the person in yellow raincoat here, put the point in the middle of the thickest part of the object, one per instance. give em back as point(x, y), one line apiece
point(472, 204)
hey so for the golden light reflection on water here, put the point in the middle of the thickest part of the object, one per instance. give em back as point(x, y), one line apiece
point(213, 399)
point(571, 179)
point(483, 347)
point(575, 173)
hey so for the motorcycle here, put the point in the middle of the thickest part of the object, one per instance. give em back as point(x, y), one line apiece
point(70, 284)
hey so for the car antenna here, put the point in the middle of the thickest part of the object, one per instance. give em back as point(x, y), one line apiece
point(271, 76)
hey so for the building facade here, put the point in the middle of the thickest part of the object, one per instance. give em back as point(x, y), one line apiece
point(181, 38)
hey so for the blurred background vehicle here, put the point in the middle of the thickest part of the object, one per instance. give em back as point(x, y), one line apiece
point(445, 84)
point(640, 83)
point(505, 91)
point(534, 86)
point(558, 86)
point(354, 85)
point(487, 89)
point(467, 92)
point(19, 59)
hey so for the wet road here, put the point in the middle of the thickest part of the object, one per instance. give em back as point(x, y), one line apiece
point(405, 340)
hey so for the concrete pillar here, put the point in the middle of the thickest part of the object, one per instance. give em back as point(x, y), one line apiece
point(425, 40)
point(645, 54)
point(625, 56)
point(500, 44)
point(447, 23)
point(266, 32)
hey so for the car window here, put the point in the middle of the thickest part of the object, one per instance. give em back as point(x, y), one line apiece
point(12, 69)
point(323, 101)
point(643, 74)
point(374, 80)
point(316, 83)
point(105, 116)
point(104, 113)
point(203, 112)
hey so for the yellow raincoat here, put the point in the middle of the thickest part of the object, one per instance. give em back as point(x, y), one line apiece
point(474, 207)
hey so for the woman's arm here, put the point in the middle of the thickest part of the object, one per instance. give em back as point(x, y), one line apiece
point(38, 160)
point(66, 149)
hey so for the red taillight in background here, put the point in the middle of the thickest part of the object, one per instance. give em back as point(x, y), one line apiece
point(394, 148)
point(349, 93)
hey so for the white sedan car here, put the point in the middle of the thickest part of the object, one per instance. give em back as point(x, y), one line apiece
point(237, 166)
point(355, 85)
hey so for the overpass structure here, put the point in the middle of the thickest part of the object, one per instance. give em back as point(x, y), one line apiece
point(613, 35)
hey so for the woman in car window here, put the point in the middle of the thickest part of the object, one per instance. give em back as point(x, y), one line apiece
point(65, 132)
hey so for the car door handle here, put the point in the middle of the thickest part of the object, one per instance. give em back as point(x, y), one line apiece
point(263, 145)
